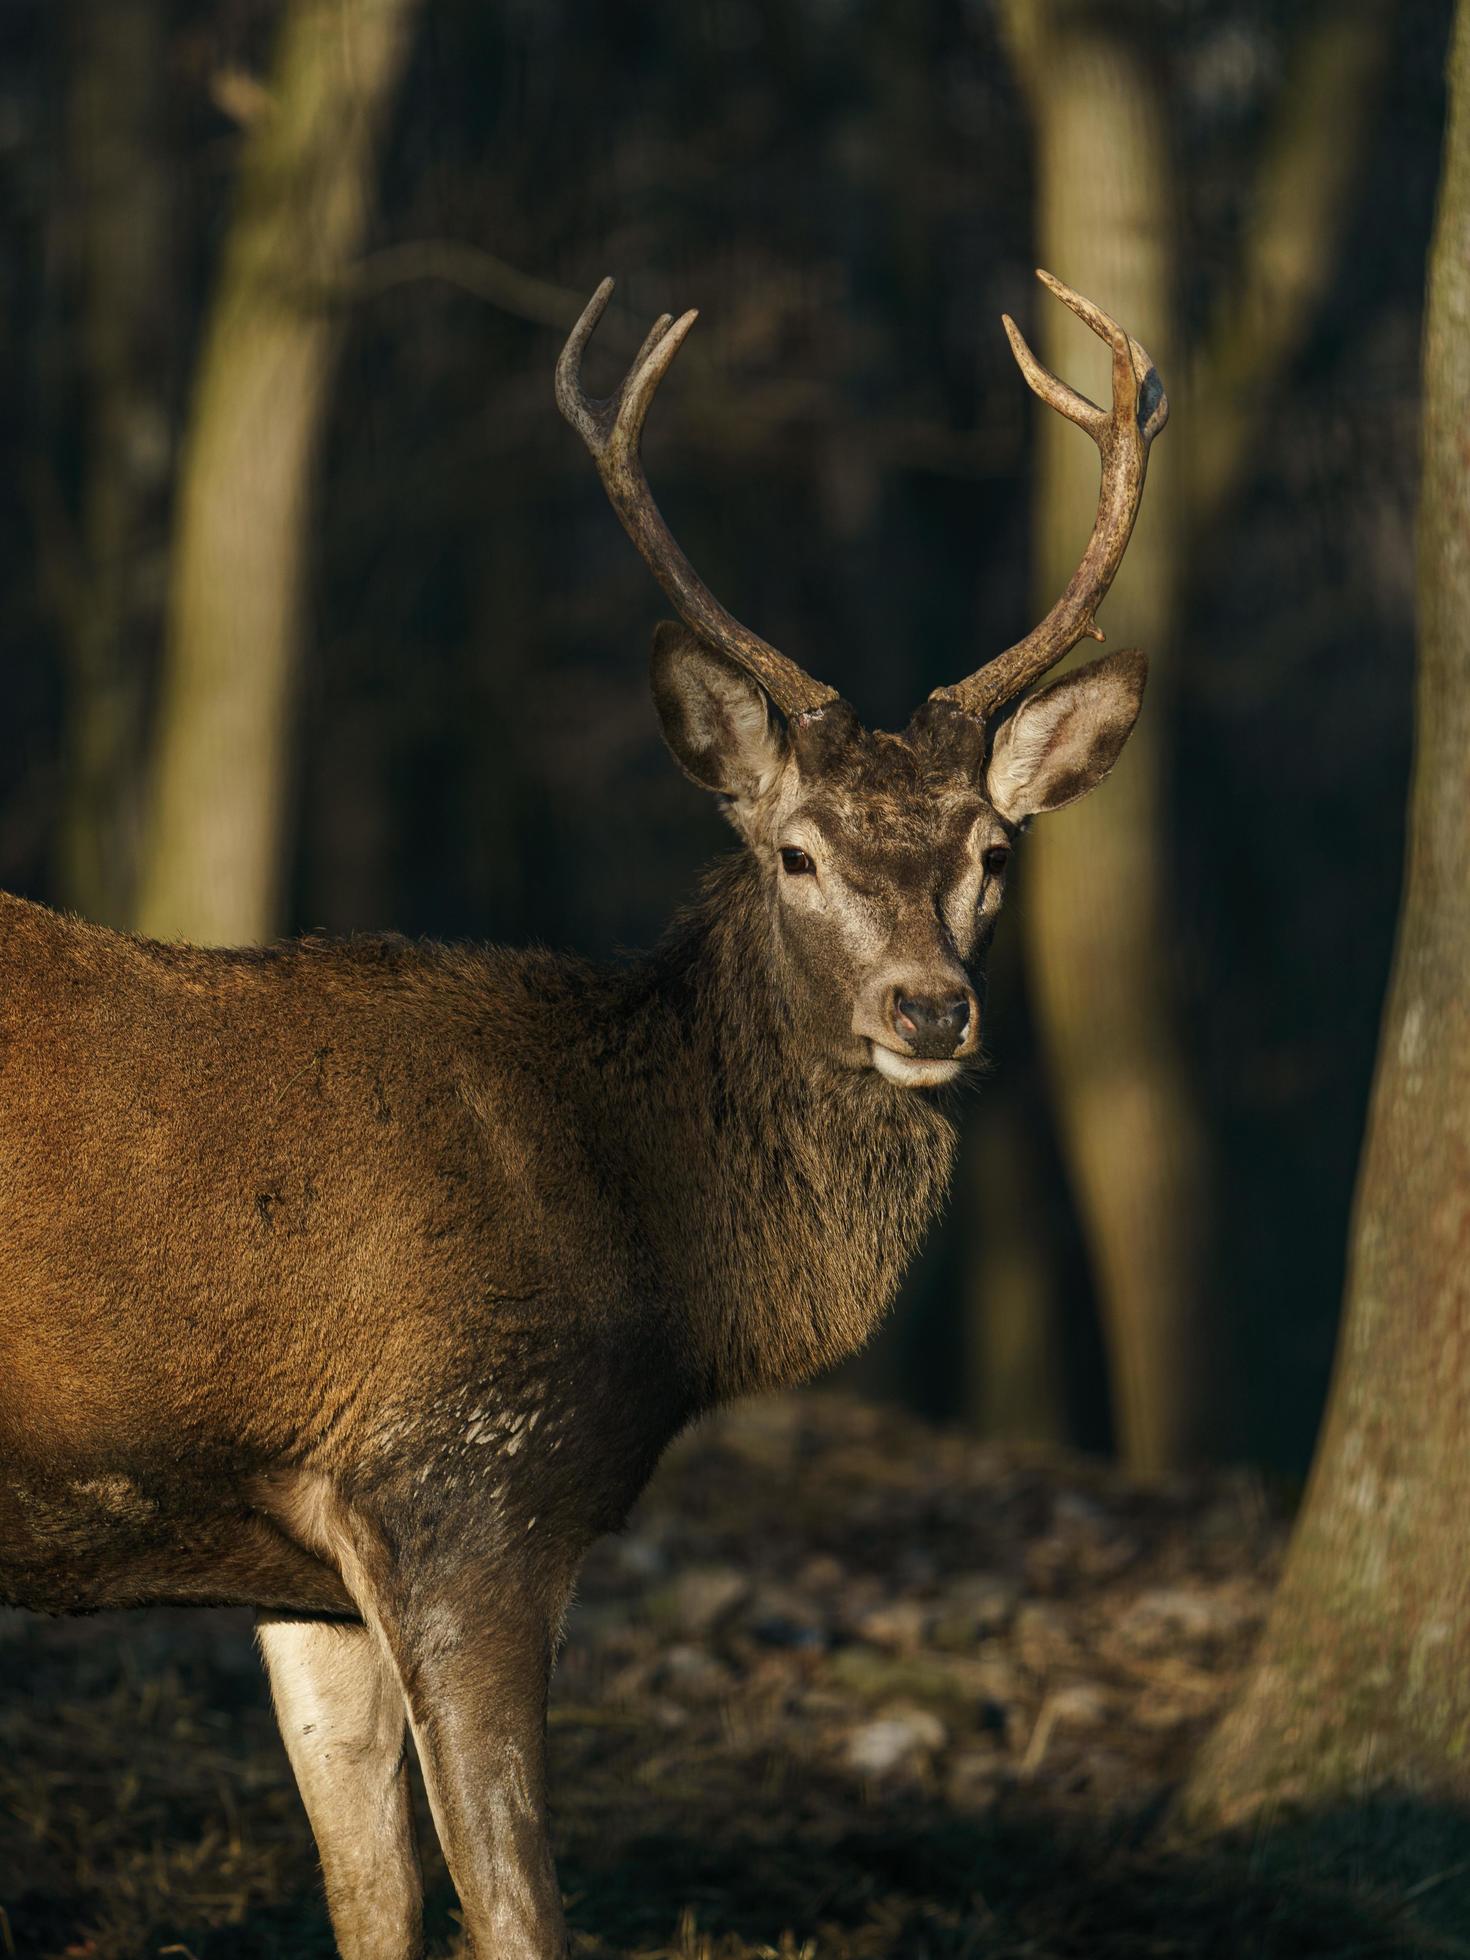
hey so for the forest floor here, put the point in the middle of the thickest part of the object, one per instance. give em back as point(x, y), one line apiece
point(846, 1688)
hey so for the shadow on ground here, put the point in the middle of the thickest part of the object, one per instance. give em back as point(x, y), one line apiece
point(846, 1688)
point(1387, 1880)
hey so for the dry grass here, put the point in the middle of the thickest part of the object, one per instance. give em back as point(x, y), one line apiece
point(846, 1689)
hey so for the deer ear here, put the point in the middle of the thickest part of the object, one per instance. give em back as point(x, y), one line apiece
point(1060, 743)
point(718, 722)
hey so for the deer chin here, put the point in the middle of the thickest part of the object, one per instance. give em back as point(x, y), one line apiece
point(910, 1073)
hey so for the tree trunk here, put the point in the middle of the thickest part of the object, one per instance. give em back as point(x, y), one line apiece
point(105, 592)
point(213, 865)
point(1017, 1380)
point(1304, 176)
point(1363, 1680)
point(1093, 902)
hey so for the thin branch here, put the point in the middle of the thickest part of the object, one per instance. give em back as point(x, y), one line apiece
point(473, 271)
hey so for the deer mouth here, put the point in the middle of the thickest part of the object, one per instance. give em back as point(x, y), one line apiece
point(910, 1071)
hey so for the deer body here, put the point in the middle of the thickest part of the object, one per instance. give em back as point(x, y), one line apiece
point(364, 1282)
point(360, 1209)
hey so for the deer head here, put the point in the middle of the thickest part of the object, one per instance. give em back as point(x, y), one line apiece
point(883, 857)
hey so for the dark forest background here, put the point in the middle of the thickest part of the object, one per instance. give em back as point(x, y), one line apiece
point(850, 192)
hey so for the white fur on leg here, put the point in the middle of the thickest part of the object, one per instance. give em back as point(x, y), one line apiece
point(343, 1720)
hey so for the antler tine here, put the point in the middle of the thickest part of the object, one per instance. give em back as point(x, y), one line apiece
point(571, 398)
point(1049, 387)
point(1123, 432)
point(655, 358)
point(652, 338)
point(1125, 348)
point(611, 430)
point(1087, 310)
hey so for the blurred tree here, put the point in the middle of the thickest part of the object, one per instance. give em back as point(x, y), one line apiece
point(1363, 1678)
point(1095, 901)
point(1020, 1344)
point(212, 864)
point(103, 566)
point(1095, 909)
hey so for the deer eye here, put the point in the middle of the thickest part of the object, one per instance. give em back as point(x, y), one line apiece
point(996, 859)
point(795, 863)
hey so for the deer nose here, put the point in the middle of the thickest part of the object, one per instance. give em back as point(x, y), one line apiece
point(931, 1026)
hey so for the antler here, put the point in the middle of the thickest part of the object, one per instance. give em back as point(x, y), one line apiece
point(611, 430)
point(1123, 434)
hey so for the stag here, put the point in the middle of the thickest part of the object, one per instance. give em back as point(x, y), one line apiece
point(364, 1283)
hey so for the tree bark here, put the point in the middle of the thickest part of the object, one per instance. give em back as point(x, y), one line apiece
point(212, 869)
point(1363, 1679)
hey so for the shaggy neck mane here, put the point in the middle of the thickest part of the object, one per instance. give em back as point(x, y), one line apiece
point(781, 1197)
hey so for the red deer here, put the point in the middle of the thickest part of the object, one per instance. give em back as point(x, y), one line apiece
point(364, 1283)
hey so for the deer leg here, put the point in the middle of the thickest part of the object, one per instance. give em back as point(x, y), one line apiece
point(475, 1659)
point(342, 1716)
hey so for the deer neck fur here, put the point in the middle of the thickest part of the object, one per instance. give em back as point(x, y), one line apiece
point(781, 1196)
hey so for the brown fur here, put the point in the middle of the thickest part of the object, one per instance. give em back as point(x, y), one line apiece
point(471, 1173)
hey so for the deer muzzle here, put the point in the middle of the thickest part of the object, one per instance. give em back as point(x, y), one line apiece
point(932, 1027)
